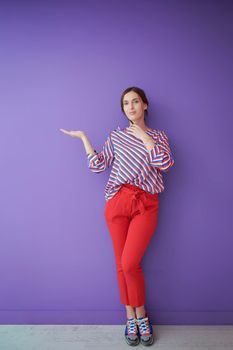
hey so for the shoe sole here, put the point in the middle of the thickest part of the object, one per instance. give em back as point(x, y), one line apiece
point(150, 342)
point(129, 342)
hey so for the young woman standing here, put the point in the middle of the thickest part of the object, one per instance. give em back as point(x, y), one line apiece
point(138, 155)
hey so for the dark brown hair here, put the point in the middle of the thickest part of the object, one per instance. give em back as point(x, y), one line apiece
point(140, 92)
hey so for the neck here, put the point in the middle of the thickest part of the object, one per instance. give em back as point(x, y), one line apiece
point(141, 123)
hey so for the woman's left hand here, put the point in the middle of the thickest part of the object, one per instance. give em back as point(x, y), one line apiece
point(137, 132)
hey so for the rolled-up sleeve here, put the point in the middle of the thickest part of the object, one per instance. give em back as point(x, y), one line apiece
point(100, 161)
point(160, 155)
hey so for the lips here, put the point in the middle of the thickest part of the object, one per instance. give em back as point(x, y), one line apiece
point(131, 113)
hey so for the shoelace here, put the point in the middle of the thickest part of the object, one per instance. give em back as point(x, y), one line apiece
point(143, 325)
point(132, 326)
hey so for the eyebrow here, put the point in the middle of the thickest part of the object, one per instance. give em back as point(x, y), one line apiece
point(135, 98)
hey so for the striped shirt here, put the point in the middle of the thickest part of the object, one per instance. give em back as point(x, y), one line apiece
point(131, 162)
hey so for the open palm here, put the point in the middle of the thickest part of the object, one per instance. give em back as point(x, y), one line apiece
point(73, 133)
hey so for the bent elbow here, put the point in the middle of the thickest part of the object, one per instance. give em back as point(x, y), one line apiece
point(167, 166)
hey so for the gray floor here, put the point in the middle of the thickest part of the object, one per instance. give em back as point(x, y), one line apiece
point(79, 337)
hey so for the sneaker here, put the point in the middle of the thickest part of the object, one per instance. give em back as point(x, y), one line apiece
point(131, 332)
point(145, 330)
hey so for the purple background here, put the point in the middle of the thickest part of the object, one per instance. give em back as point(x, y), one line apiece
point(64, 64)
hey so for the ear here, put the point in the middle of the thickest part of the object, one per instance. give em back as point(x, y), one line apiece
point(145, 106)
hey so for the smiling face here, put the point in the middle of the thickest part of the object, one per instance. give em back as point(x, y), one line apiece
point(133, 106)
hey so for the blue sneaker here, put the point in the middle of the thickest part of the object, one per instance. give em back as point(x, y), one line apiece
point(145, 330)
point(131, 332)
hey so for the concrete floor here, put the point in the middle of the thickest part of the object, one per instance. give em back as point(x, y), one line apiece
point(100, 337)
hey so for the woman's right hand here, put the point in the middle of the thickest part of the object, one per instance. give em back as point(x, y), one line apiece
point(78, 134)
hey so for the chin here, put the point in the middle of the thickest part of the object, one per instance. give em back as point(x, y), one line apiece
point(133, 117)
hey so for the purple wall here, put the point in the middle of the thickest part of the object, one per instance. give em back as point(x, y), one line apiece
point(64, 64)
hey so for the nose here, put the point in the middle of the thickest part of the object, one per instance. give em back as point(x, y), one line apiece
point(131, 106)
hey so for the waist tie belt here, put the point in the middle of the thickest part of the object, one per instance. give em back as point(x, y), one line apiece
point(137, 193)
point(137, 198)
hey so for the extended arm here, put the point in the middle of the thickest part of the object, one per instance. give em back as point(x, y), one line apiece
point(98, 162)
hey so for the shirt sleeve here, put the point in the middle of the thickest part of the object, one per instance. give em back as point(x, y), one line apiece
point(160, 156)
point(100, 161)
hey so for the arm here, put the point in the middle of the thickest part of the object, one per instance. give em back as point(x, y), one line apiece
point(159, 154)
point(86, 143)
point(98, 162)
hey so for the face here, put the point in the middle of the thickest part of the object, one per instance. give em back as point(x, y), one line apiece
point(133, 106)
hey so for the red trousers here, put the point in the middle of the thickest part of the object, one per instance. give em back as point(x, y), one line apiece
point(131, 217)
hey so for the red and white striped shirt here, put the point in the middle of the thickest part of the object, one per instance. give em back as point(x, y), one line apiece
point(131, 162)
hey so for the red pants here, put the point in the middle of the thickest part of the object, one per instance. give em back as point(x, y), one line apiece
point(131, 217)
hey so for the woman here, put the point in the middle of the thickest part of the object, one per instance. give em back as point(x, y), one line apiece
point(138, 155)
